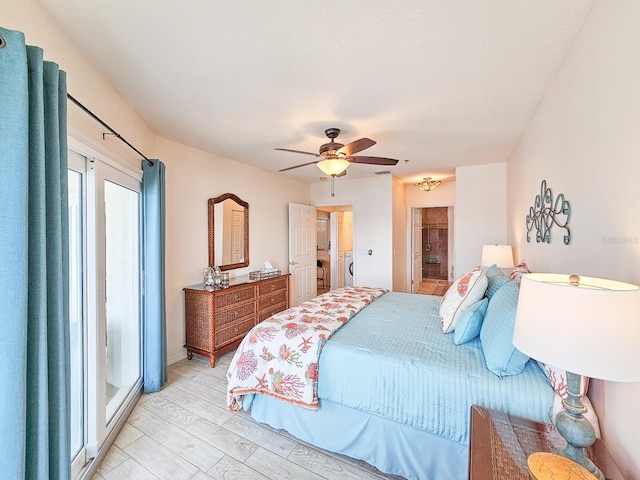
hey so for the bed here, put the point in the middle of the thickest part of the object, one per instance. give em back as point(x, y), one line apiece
point(395, 391)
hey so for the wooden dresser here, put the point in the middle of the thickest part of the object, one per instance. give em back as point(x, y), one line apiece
point(217, 320)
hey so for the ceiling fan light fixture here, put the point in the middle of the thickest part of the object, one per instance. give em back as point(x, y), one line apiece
point(336, 157)
point(333, 166)
point(427, 184)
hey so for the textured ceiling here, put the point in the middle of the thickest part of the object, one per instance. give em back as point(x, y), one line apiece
point(440, 83)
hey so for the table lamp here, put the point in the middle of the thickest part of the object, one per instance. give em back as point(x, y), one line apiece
point(500, 255)
point(587, 326)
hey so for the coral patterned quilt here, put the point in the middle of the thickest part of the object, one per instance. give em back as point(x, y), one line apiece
point(279, 356)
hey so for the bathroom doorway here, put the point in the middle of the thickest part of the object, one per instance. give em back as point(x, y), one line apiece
point(435, 244)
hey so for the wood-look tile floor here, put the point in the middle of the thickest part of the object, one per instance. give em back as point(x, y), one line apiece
point(433, 287)
point(185, 432)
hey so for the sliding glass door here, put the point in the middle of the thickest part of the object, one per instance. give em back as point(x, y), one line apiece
point(122, 289)
point(77, 193)
point(105, 300)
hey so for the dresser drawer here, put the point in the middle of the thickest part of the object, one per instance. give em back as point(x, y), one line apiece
point(236, 295)
point(267, 301)
point(271, 286)
point(267, 312)
point(235, 313)
point(233, 331)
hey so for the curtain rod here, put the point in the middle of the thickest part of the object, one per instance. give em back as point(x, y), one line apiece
point(111, 130)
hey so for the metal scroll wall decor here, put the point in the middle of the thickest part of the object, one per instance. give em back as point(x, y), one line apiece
point(545, 213)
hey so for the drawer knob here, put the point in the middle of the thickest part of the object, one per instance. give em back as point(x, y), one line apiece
point(236, 296)
point(273, 287)
point(235, 314)
point(273, 300)
point(235, 330)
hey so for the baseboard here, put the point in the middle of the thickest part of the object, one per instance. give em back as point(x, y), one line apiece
point(176, 358)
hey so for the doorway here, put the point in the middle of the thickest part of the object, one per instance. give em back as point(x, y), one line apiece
point(431, 249)
point(435, 243)
point(335, 247)
point(323, 229)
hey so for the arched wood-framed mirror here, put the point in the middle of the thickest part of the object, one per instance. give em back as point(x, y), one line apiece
point(228, 232)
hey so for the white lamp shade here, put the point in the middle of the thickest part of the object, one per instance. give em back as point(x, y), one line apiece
point(592, 329)
point(500, 255)
point(333, 166)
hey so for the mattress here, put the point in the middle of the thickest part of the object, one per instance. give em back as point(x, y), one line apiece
point(392, 360)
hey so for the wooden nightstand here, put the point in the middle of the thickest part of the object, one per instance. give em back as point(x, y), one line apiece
point(500, 444)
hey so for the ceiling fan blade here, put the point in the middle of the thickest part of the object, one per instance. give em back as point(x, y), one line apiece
point(356, 146)
point(373, 160)
point(297, 166)
point(297, 151)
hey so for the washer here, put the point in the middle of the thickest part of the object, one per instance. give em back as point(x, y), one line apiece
point(348, 269)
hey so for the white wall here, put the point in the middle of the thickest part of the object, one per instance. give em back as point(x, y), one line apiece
point(85, 84)
point(584, 140)
point(480, 212)
point(194, 176)
point(400, 252)
point(372, 201)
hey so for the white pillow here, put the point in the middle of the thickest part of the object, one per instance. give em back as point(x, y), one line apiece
point(466, 290)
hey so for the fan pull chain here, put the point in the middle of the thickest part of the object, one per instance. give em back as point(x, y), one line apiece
point(333, 177)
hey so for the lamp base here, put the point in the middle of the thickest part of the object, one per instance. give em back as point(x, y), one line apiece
point(575, 429)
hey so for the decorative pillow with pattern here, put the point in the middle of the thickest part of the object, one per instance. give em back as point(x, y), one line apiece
point(466, 290)
point(516, 272)
point(558, 380)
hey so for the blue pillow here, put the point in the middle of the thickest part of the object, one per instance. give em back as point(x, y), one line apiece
point(497, 332)
point(470, 322)
point(495, 279)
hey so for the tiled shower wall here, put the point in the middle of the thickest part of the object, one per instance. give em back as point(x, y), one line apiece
point(435, 233)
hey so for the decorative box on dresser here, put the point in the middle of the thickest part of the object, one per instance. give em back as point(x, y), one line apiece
point(217, 320)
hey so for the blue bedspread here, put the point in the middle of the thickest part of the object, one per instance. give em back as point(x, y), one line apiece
point(393, 360)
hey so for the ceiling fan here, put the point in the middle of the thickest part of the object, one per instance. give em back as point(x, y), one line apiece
point(334, 157)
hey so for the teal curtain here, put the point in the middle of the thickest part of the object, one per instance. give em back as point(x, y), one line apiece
point(154, 349)
point(34, 310)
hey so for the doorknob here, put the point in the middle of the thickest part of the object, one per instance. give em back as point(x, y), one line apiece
point(293, 263)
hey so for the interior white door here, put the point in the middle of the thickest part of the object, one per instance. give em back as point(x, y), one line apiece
point(237, 236)
point(416, 249)
point(302, 252)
